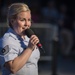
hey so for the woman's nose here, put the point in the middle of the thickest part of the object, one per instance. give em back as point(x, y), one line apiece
point(26, 22)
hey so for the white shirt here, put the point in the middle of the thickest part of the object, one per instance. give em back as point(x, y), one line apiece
point(11, 46)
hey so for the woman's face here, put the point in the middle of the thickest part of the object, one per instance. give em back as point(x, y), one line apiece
point(22, 22)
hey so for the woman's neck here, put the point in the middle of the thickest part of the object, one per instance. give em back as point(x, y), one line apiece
point(23, 36)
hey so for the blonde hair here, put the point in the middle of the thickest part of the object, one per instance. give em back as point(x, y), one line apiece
point(14, 9)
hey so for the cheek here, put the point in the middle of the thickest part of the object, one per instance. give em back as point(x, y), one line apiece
point(20, 24)
point(29, 24)
point(17, 26)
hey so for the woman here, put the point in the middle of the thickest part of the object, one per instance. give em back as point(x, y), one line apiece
point(19, 53)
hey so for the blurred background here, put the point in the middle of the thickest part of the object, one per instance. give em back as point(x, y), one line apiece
point(53, 21)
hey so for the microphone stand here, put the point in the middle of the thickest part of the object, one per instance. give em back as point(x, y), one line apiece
point(54, 56)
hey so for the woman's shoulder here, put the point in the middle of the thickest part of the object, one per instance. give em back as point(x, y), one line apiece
point(8, 38)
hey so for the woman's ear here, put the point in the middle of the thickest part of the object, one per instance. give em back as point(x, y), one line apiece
point(12, 21)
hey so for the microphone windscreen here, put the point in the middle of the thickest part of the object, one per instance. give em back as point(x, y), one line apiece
point(29, 32)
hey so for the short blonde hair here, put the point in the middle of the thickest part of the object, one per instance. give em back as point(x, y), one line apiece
point(15, 9)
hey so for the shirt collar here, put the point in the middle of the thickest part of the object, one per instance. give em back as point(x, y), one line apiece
point(15, 35)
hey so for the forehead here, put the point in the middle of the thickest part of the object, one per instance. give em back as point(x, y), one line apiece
point(25, 14)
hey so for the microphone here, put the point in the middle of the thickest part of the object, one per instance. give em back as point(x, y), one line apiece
point(29, 33)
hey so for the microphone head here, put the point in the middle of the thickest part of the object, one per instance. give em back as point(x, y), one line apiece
point(29, 32)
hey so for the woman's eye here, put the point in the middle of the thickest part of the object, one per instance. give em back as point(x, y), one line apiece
point(22, 20)
point(25, 20)
point(29, 19)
